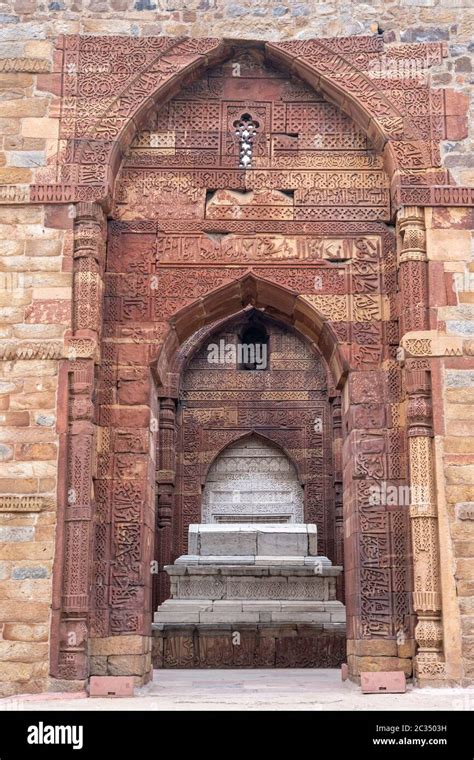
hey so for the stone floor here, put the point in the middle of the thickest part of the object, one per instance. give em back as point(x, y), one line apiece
point(303, 689)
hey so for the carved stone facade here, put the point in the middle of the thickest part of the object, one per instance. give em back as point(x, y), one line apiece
point(197, 182)
point(189, 227)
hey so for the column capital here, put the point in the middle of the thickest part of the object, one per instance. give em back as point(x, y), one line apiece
point(411, 224)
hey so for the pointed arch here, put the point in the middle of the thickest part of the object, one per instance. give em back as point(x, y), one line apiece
point(266, 437)
point(98, 140)
point(227, 301)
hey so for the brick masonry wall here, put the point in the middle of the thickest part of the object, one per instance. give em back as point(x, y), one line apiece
point(35, 265)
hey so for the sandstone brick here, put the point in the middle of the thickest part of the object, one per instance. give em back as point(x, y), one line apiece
point(15, 298)
point(39, 384)
point(36, 451)
point(464, 548)
point(8, 689)
point(16, 671)
point(459, 395)
point(467, 625)
point(26, 434)
point(40, 127)
point(38, 331)
point(126, 665)
point(363, 648)
point(6, 452)
point(16, 80)
point(456, 103)
point(27, 264)
point(20, 651)
point(40, 669)
point(377, 664)
point(46, 532)
point(10, 315)
point(30, 470)
point(24, 6)
point(118, 645)
point(15, 418)
point(9, 126)
point(39, 400)
point(98, 666)
point(459, 427)
point(30, 551)
point(38, 48)
point(11, 247)
point(58, 217)
point(24, 107)
point(13, 176)
point(33, 612)
point(448, 245)
point(16, 534)
point(456, 127)
point(43, 248)
point(46, 485)
point(45, 420)
point(32, 368)
point(134, 392)
point(50, 294)
point(460, 474)
point(457, 493)
point(465, 568)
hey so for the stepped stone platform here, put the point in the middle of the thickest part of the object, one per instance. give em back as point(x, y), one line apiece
point(263, 582)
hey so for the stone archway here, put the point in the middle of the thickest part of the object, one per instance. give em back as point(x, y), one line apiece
point(358, 307)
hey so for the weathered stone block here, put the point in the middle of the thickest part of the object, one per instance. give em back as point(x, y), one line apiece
point(118, 645)
point(22, 632)
point(126, 665)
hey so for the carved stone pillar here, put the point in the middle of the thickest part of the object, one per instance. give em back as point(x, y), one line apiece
point(71, 607)
point(338, 491)
point(414, 316)
point(413, 270)
point(165, 479)
point(429, 662)
point(89, 255)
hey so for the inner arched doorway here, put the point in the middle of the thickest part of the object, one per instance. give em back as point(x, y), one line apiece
point(289, 403)
point(254, 522)
point(250, 481)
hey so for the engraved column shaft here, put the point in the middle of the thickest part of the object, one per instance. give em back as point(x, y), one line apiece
point(165, 478)
point(82, 352)
point(413, 270)
point(414, 315)
point(424, 527)
point(338, 490)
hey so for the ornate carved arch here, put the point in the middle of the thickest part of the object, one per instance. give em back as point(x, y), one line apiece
point(109, 86)
point(267, 437)
point(224, 303)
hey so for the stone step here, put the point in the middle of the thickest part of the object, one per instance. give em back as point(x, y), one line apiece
point(251, 611)
point(250, 559)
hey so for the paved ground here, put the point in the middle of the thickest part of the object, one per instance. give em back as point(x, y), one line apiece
point(254, 690)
